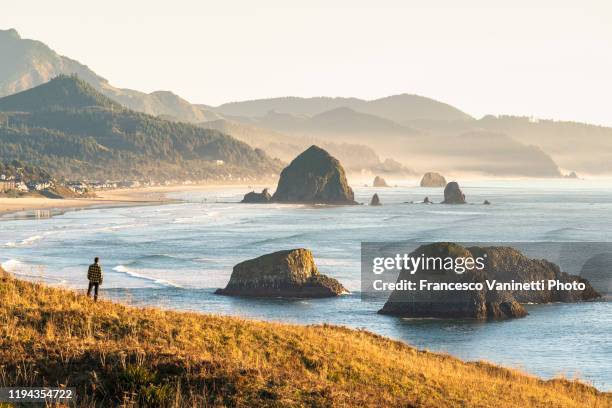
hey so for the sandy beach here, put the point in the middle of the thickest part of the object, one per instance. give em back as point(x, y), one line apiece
point(105, 198)
point(110, 198)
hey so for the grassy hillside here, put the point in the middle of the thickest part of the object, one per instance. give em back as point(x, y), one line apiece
point(120, 355)
point(72, 130)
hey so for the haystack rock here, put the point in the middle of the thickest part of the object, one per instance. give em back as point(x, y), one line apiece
point(379, 182)
point(375, 200)
point(314, 177)
point(502, 264)
point(453, 194)
point(433, 179)
point(291, 273)
point(426, 200)
point(253, 197)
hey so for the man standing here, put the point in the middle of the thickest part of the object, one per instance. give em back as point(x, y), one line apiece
point(94, 274)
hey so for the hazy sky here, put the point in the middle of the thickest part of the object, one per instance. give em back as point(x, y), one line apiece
point(551, 59)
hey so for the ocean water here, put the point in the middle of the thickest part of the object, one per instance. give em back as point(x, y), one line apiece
point(176, 255)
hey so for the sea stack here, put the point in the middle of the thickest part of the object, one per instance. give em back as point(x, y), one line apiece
point(375, 200)
point(379, 182)
point(314, 177)
point(571, 175)
point(257, 198)
point(426, 200)
point(291, 273)
point(502, 264)
point(433, 179)
point(453, 194)
point(505, 264)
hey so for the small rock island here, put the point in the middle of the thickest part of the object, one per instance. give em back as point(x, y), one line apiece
point(502, 264)
point(375, 200)
point(433, 179)
point(453, 194)
point(257, 198)
point(314, 177)
point(572, 175)
point(379, 182)
point(289, 274)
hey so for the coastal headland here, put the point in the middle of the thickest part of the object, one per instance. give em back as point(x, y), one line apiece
point(122, 355)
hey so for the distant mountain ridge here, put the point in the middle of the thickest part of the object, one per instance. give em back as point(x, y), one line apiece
point(73, 131)
point(408, 127)
point(348, 120)
point(574, 146)
point(397, 108)
point(354, 157)
point(28, 63)
point(464, 145)
point(340, 120)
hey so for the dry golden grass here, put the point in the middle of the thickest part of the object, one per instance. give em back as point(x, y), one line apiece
point(119, 355)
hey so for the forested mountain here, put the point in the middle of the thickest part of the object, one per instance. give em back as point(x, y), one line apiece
point(64, 92)
point(28, 63)
point(72, 130)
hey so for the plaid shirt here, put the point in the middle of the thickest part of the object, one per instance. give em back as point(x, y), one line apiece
point(94, 273)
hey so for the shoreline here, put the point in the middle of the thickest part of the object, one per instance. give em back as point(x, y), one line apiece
point(105, 199)
point(127, 197)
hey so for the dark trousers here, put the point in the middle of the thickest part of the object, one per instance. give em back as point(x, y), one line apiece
point(95, 286)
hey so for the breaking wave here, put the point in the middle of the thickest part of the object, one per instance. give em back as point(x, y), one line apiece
point(139, 275)
point(23, 242)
